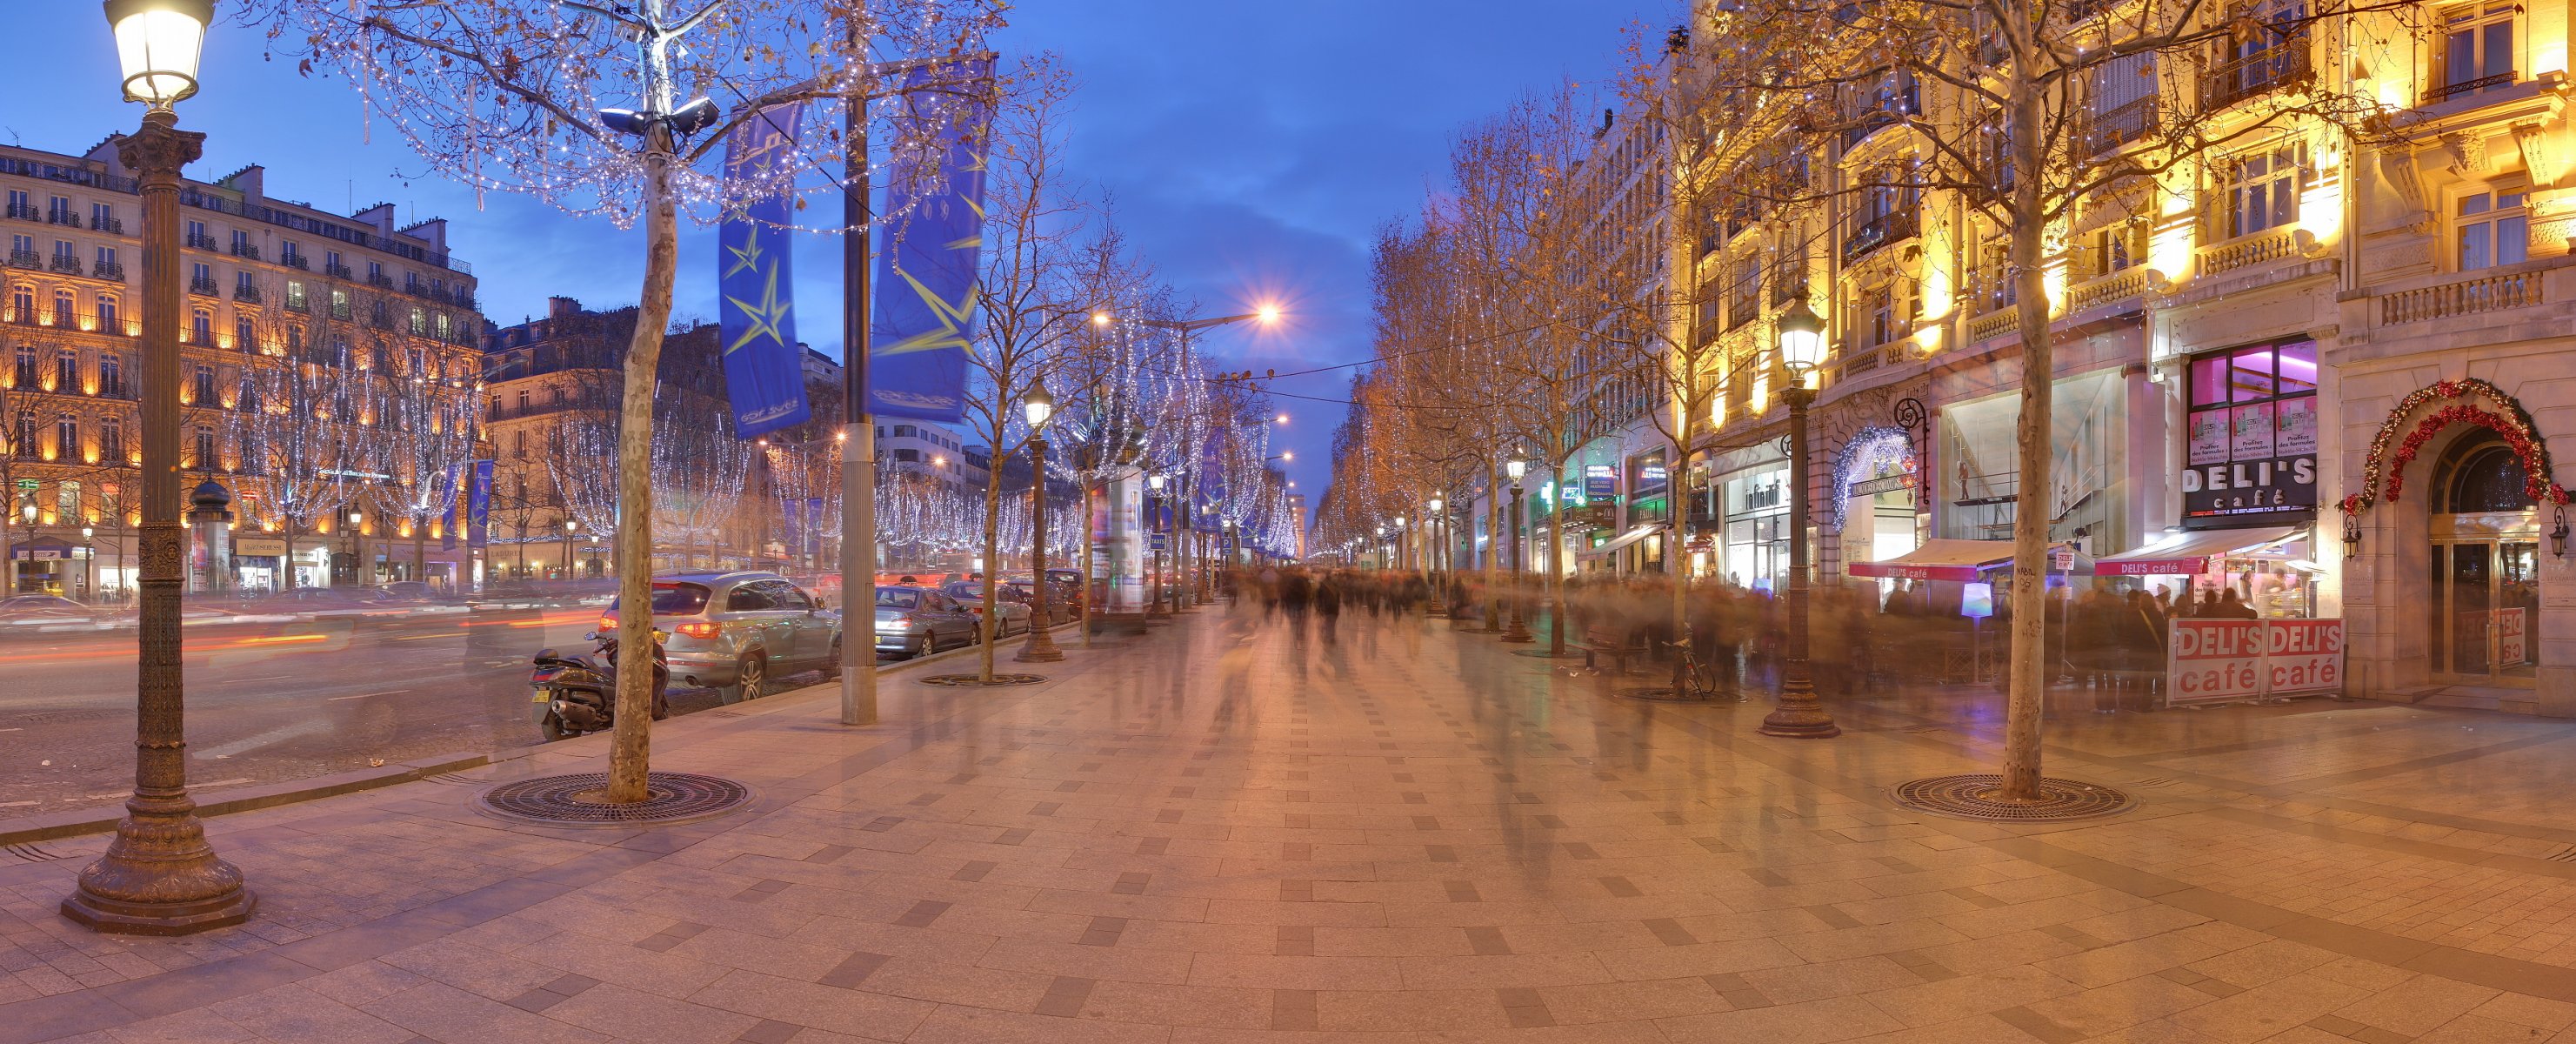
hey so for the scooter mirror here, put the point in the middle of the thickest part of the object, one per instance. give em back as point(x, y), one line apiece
point(591, 637)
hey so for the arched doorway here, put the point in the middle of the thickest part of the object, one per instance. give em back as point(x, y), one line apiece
point(2485, 564)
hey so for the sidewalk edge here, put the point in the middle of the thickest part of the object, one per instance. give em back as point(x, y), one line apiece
point(76, 822)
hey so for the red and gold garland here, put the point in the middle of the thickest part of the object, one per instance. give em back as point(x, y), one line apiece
point(2512, 425)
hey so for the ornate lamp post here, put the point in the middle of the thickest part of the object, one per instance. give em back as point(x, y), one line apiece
point(1435, 546)
point(89, 563)
point(570, 527)
point(159, 876)
point(358, 548)
point(1038, 407)
point(1519, 632)
point(1802, 349)
point(1154, 605)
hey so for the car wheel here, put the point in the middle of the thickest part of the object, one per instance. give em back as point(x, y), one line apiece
point(751, 677)
point(922, 646)
point(832, 666)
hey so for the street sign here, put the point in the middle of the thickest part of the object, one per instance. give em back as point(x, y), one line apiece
point(1161, 542)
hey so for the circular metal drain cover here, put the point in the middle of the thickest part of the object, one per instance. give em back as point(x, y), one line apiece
point(973, 681)
point(1964, 797)
point(677, 797)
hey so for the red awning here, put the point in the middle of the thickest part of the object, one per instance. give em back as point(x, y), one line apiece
point(2196, 552)
point(1959, 560)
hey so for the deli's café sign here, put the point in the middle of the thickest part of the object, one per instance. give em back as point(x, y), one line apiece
point(2251, 440)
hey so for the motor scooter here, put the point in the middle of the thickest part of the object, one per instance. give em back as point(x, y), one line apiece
point(575, 694)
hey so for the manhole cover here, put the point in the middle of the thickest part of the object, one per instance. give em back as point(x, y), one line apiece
point(677, 797)
point(1964, 797)
point(977, 681)
point(1668, 695)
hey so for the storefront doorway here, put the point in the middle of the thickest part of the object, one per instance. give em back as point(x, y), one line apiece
point(2486, 566)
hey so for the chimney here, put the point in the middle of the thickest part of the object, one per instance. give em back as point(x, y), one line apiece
point(562, 308)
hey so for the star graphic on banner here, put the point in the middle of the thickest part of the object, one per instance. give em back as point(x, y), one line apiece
point(767, 318)
point(746, 256)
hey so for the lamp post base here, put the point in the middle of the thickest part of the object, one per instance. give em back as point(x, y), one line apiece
point(1040, 647)
point(1519, 631)
point(1799, 716)
point(159, 877)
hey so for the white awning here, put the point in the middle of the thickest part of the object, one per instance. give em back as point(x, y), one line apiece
point(1966, 561)
point(1622, 540)
point(2197, 552)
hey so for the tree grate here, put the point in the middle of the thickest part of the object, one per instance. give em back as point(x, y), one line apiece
point(1964, 797)
point(675, 797)
point(973, 681)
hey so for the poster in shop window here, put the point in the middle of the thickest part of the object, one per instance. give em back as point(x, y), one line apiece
point(2296, 429)
point(2208, 437)
point(2251, 438)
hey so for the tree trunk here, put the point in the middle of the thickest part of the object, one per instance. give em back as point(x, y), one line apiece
point(984, 622)
point(1555, 576)
point(2032, 450)
point(1085, 567)
point(1493, 549)
point(1676, 517)
point(420, 549)
point(630, 751)
point(286, 565)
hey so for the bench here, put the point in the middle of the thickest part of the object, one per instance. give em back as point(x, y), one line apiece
point(1616, 643)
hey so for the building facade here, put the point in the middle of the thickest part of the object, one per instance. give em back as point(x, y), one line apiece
point(326, 358)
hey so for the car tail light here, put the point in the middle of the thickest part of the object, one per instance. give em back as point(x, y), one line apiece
point(698, 630)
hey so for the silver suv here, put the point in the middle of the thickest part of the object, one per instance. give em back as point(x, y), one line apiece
point(735, 632)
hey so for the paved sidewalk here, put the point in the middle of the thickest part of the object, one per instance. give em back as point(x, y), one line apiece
point(1216, 833)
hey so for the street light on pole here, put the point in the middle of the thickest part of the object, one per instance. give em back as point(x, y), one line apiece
point(1038, 407)
point(570, 526)
point(1514, 469)
point(1802, 349)
point(1154, 482)
point(358, 546)
point(159, 876)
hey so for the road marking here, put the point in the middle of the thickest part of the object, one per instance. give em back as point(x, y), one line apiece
point(109, 794)
point(366, 695)
point(266, 677)
point(15, 804)
point(12, 730)
point(426, 637)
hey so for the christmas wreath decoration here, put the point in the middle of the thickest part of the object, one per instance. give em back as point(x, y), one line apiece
point(2510, 423)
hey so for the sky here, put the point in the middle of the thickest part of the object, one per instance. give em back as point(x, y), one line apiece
point(1251, 151)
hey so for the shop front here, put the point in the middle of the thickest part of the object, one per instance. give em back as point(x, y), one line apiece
point(1872, 496)
point(1650, 510)
point(2086, 481)
point(49, 565)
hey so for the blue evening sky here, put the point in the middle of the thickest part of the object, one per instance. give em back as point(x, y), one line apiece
point(1251, 148)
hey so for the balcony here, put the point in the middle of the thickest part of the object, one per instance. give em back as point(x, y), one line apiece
point(62, 217)
point(26, 259)
point(1994, 324)
point(64, 263)
point(2449, 91)
point(200, 241)
point(109, 225)
point(381, 280)
point(108, 270)
point(295, 261)
point(2269, 245)
point(205, 286)
point(464, 298)
point(2122, 285)
point(2256, 74)
point(2464, 297)
point(2120, 125)
point(25, 212)
point(299, 304)
point(1891, 227)
point(246, 294)
point(336, 271)
point(245, 249)
point(415, 288)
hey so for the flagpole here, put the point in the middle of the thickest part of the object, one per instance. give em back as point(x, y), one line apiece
point(859, 431)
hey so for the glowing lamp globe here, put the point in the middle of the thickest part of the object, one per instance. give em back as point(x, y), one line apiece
point(157, 46)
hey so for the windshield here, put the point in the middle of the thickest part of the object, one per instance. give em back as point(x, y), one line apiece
point(898, 598)
point(676, 599)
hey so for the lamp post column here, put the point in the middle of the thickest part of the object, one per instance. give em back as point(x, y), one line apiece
point(1799, 716)
point(1519, 631)
point(1040, 647)
point(159, 876)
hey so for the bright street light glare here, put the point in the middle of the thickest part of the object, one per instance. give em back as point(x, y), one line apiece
point(1269, 314)
point(1283, 418)
point(1099, 318)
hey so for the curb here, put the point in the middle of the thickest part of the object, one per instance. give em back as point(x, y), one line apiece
point(76, 822)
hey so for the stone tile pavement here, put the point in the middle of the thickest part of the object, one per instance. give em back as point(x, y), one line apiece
point(1223, 832)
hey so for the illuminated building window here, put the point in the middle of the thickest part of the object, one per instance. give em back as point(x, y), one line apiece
point(2489, 229)
point(2262, 188)
point(2477, 49)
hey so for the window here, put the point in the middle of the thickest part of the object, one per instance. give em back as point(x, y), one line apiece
point(205, 458)
point(197, 236)
point(205, 386)
point(2491, 229)
point(2477, 49)
point(66, 371)
point(558, 395)
point(103, 217)
point(519, 444)
point(1744, 290)
point(63, 251)
point(243, 334)
point(523, 400)
point(107, 314)
point(2116, 247)
point(241, 241)
point(2251, 441)
point(411, 361)
point(21, 204)
point(111, 375)
point(107, 262)
point(442, 326)
point(419, 322)
point(111, 440)
point(66, 445)
point(26, 375)
point(1889, 310)
point(242, 284)
point(67, 494)
point(295, 294)
point(339, 304)
point(376, 272)
point(26, 446)
point(201, 327)
point(201, 277)
point(340, 352)
point(295, 342)
point(2262, 188)
point(22, 303)
point(62, 308)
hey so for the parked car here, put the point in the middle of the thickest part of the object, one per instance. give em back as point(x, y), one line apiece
point(737, 631)
point(917, 621)
point(1013, 616)
point(1064, 604)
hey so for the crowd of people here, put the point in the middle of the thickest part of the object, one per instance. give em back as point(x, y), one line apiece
point(2101, 633)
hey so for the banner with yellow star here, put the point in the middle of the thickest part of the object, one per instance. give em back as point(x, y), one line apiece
point(928, 278)
point(764, 373)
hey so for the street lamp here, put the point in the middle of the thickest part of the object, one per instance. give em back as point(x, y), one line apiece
point(1519, 632)
point(159, 877)
point(1038, 407)
point(570, 527)
point(1802, 350)
point(1435, 548)
point(358, 546)
point(1154, 483)
point(89, 562)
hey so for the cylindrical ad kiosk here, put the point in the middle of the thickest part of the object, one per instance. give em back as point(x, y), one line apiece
point(2243, 624)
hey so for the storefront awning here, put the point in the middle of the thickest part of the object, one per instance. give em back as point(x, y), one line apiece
point(1963, 561)
point(2195, 553)
point(1623, 540)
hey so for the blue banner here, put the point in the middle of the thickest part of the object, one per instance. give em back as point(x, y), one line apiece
point(793, 521)
point(764, 373)
point(445, 491)
point(814, 527)
point(928, 280)
point(478, 506)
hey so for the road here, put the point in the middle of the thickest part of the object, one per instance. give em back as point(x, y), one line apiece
point(269, 702)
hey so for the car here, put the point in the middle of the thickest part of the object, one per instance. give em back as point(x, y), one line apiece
point(917, 621)
point(43, 609)
point(1013, 616)
point(1063, 605)
point(736, 631)
point(410, 591)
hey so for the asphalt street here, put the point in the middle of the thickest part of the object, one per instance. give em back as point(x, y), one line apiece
point(278, 701)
